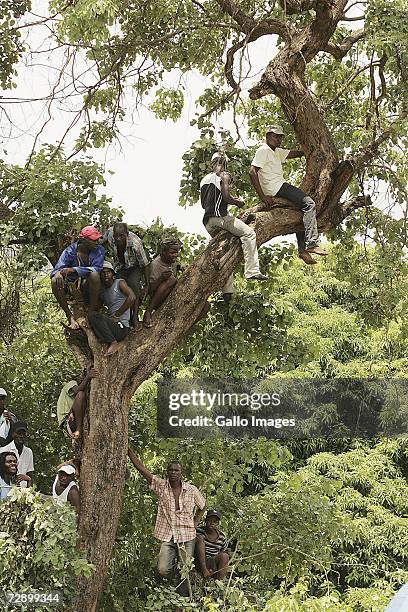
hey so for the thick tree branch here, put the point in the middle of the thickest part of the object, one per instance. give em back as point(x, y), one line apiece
point(250, 26)
point(293, 7)
point(341, 49)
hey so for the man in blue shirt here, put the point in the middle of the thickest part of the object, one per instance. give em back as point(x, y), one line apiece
point(79, 264)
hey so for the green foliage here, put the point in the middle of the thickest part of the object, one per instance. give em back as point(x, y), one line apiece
point(168, 104)
point(38, 545)
point(53, 197)
point(11, 46)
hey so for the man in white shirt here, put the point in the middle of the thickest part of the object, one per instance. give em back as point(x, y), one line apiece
point(267, 177)
point(25, 465)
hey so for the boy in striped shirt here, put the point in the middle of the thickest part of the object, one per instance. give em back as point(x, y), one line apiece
point(211, 547)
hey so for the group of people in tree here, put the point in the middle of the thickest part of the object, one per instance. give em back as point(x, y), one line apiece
point(122, 284)
point(119, 286)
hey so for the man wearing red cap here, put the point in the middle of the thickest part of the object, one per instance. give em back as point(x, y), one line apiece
point(80, 264)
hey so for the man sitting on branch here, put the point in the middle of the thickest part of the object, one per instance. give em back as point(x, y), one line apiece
point(215, 198)
point(79, 266)
point(118, 297)
point(130, 263)
point(267, 177)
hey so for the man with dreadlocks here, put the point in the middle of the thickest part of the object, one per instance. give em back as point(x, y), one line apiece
point(162, 275)
point(215, 197)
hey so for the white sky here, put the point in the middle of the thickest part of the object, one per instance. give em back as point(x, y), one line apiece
point(147, 166)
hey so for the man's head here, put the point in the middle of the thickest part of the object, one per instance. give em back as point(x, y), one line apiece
point(66, 474)
point(174, 472)
point(89, 237)
point(107, 274)
point(19, 432)
point(8, 464)
point(274, 136)
point(3, 395)
point(120, 234)
point(170, 249)
point(219, 160)
point(212, 519)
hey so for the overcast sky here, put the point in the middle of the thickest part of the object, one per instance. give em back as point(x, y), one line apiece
point(147, 166)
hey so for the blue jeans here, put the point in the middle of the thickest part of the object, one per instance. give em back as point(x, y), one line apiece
point(310, 237)
point(169, 553)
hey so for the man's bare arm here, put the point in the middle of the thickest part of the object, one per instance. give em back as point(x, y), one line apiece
point(198, 516)
point(295, 153)
point(73, 498)
point(130, 298)
point(253, 175)
point(225, 190)
point(139, 466)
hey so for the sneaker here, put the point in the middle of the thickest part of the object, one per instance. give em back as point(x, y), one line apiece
point(307, 258)
point(259, 276)
point(317, 250)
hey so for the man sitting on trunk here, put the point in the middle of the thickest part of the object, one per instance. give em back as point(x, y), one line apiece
point(79, 264)
point(215, 198)
point(162, 276)
point(118, 297)
point(267, 177)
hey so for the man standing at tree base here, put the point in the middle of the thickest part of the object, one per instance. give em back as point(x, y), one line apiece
point(176, 521)
point(267, 178)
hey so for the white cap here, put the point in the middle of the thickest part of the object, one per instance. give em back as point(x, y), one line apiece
point(276, 129)
point(219, 155)
point(107, 266)
point(68, 469)
point(3, 392)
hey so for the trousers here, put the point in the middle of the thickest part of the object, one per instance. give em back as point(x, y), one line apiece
point(107, 330)
point(247, 235)
point(310, 237)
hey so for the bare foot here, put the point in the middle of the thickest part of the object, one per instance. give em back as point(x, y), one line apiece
point(114, 348)
point(73, 324)
point(83, 322)
point(317, 250)
point(147, 319)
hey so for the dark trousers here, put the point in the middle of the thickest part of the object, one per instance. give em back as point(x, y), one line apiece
point(310, 237)
point(107, 330)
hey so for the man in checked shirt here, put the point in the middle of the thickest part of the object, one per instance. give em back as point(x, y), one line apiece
point(176, 520)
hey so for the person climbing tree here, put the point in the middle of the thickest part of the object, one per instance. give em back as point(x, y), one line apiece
point(65, 489)
point(267, 177)
point(71, 404)
point(215, 198)
point(79, 265)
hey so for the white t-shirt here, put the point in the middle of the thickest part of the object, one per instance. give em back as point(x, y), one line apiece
point(270, 164)
point(25, 461)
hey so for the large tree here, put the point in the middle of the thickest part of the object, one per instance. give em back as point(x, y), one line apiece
point(305, 82)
